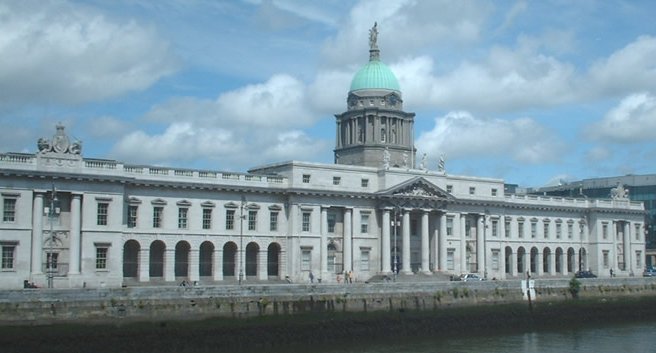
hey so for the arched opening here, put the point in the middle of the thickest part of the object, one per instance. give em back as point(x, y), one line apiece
point(521, 253)
point(546, 260)
point(229, 259)
point(273, 260)
point(205, 259)
point(509, 260)
point(559, 257)
point(252, 249)
point(182, 259)
point(534, 260)
point(156, 260)
point(571, 260)
point(131, 250)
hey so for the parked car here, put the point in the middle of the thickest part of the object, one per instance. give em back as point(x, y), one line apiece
point(649, 272)
point(585, 274)
point(470, 277)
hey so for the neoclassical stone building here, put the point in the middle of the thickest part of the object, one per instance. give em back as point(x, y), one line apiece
point(70, 221)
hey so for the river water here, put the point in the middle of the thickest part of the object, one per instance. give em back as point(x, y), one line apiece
point(623, 338)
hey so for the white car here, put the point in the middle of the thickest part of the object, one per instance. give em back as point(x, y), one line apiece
point(470, 277)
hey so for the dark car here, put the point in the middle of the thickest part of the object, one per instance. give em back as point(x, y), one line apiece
point(585, 274)
point(649, 272)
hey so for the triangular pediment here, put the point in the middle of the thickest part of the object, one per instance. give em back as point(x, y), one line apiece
point(417, 187)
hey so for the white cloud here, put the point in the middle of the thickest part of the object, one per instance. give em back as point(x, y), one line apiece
point(460, 135)
point(632, 121)
point(55, 52)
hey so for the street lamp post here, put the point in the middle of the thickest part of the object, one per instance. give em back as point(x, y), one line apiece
point(242, 261)
point(485, 215)
point(52, 211)
point(395, 224)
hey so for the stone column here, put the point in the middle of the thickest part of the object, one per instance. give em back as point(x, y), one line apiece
point(502, 263)
point(169, 265)
point(323, 251)
point(144, 264)
point(74, 250)
point(480, 245)
point(217, 271)
point(262, 271)
point(348, 239)
point(539, 263)
point(513, 265)
point(193, 268)
point(552, 262)
point(463, 244)
point(627, 248)
point(385, 243)
point(442, 243)
point(563, 263)
point(406, 267)
point(502, 229)
point(37, 235)
point(425, 247)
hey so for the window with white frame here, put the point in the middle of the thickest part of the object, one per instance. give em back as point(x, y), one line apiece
point(182, 217)
point(495, 228)
point(605, 258)
point(638, 259)
point(546, 229)
point(337, 180)
point(158, 213)
point(306, 178)
point(570, 230)
point(230, 220)
point(494, 192)
point(306, 259)
point(132, 215)
point(467, 229)
point(449, 225)
point(9, 209)
point(638, 230)
point(332, 219)
point(559, 230)
point(207, 218)
point(472, 190)
point(252, 220)
point(101, 214)
point(520, 229)
point(534, 229)
point(102, 252)
point(604, 230)
point(449, 188)
point(495, 259)
point(364, 223)
point(8, 256)
point(507, 229)
point(51, 260)
point(364, 183)
point(450, 255)
point(364, 260)
point(306, 221)
point(273, 221)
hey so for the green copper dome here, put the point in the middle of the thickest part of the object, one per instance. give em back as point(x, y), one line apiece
point(375, 75)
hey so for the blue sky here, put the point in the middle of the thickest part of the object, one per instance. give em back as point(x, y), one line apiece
point(532, 92)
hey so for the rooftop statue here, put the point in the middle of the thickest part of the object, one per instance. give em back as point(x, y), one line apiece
point(59, 143)
point(619, 192)
point(373, 37)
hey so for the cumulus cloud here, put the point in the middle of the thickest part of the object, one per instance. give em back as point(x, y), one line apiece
point(461, 135)
point(55, 52)
point(632, 121)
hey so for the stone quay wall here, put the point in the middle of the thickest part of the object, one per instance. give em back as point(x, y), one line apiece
point(110, 305)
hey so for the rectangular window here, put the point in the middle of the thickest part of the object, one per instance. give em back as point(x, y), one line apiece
point(306, 259)
point(534, 229)
point(413, 227)
point(230, 219)
point(364, 223)
point(158, 212)
point(472, 190)
point(507, 229)
point(637, 232)
point(337, 180)
point(132, 216)
point(449, 188)
point(364, 183)
point(449, 226)
point(51, 260)
point(9, 210)
point(559, 230)
point(306, 221)
point(546, 230)
point(639, 259)
point(252, 220)
point(101, 215)
point(306, 178)
point(101, 257)
point(450, 255)
point(8, 257)
point(207, 218)
point(467, 229)
point(520, 229)
point(604, 230)
point(570, 231)
point(331, 263)
point(273, 221)
point(495, 226)
point(332, 219)
point(605, 258)
point(364, 260)
point(182, 217)
point(494, 192)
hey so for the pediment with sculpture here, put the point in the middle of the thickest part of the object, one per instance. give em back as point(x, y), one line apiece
point(417, 191)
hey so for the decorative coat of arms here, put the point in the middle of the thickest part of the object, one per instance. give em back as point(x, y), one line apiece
point(60, 143)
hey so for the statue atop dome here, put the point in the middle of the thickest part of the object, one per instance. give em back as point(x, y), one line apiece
point(373, 37)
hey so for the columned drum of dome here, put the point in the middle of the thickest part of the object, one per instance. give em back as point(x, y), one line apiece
point(375, 131)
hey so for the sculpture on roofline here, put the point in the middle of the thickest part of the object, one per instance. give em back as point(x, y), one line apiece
point(373, 36)
point(440, 165)
point(619, 192)
point(386, 159)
